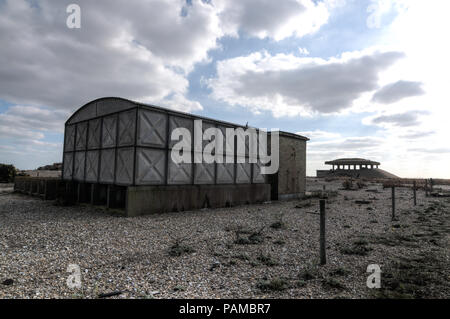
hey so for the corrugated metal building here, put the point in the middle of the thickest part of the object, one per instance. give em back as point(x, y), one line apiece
point(117, 152)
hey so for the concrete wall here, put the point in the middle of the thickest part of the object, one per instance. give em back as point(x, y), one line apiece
point(143, 200)
point(322, 173)
point(292, 172)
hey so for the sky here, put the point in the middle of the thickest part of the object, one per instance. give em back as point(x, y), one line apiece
point(360, 78)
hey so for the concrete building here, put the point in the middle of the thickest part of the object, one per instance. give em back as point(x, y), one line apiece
point(117, 152)
point(354, 167)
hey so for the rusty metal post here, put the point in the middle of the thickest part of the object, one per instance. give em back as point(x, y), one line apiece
point(323, 255)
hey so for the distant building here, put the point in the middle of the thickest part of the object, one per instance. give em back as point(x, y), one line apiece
point(354, 167)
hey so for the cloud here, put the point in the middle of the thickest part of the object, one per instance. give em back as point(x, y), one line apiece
point(139, 49)
point(347, 144)
point(442, 150)
point(319, 135)
point(410, 118)
point(274, 19)
point(35, 118)
point(289, 85)
point(397, 91)
point(417, 134)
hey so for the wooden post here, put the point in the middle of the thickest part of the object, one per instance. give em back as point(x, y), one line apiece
point(415, 195)
point(393, 202)
point(426, 187)
point(323, 255)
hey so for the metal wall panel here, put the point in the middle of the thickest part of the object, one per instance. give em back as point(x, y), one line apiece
point(257, 176)
point(68, 165)
point(225, 173)
point(78, 170)
point(207, 125)
point(225, 142)
point(125, 166)
point(127, 128)
point(92, 166)
point(107, 166)
point(152, 127)
point(69, 138)
point(179, 173)
point(109, 131)
point(150, 166)
point(243, 173)
point(204, 173)
point(80, 143)
point(94, 134)
point(176, 122)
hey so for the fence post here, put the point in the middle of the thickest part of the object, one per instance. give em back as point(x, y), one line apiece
point(323, 255)
point(431, 186)
point(393, 202)
point(415, 195)
point(426, 187)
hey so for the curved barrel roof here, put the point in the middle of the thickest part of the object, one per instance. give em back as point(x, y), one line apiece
point(108, 105)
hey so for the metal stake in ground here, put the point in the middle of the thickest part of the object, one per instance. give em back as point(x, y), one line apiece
point(414, 190)
point(393, 202)
point(323, 255)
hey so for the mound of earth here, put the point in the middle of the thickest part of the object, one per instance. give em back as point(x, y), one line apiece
point(363, 173)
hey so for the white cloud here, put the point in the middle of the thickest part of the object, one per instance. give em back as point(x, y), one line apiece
point(303, 51)
point(23, 131)
point(288, 85)
point(274, 19)
point(140, 50)
point(319, 135)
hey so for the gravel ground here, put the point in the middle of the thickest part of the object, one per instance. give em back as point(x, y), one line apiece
point(258, 251)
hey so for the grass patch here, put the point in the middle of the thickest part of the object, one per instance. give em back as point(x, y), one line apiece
point(332, 283)
point(275, 284)
point(251, 238)
point(358, 248)
point(340, 272)
point(267, 260)
point(307, 274)
point(179, 249)
point(278, 224)
point(243, 257)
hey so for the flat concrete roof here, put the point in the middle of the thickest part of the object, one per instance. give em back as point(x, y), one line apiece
point(352, 161)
